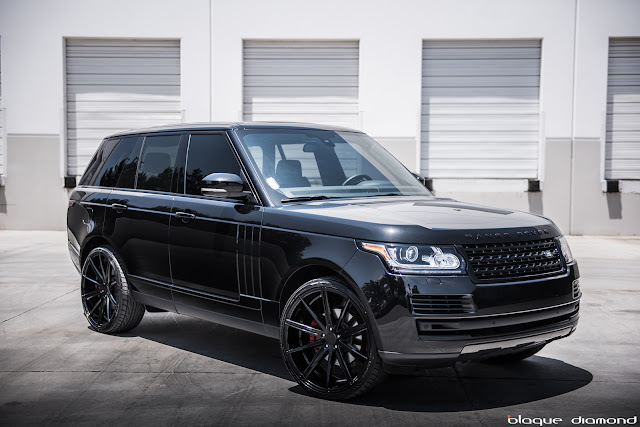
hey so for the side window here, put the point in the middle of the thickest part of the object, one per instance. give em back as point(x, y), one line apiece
point(97, 162)
point(110, 171)
point(157, 162)
point(209, 154)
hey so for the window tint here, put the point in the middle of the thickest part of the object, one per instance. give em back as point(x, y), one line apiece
point(110, 171)
point(130, 166)
point(97, 162)
point(209, 154)
point(157, 161)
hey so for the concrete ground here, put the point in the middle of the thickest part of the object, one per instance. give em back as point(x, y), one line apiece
point(177, 370)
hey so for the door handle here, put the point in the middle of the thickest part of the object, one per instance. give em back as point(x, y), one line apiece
point(185, 216)
point(119, 207)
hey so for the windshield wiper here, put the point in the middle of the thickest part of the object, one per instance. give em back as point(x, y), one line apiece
point(304, 198)
point(383, 195)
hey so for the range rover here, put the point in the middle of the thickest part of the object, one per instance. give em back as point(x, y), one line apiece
point(318, 237)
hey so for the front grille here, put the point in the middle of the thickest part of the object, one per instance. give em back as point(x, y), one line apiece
point(514, 260)
point(442, 304)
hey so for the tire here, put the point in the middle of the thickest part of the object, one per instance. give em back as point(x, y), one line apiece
point(336, 359)
point(106, 297)
point(518, 355)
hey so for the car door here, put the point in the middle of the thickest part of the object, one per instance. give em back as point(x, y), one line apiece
point(214, 242)
point(137, 222)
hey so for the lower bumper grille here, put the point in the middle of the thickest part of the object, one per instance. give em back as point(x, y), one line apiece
point(514, 260)
point(482, 327)
point(442, 304)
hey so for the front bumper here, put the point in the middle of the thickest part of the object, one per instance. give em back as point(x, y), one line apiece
point(499, 317)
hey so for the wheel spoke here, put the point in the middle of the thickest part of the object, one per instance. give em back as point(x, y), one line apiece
point(96, 269)
point(104, 274)
point(312, 344)
point(312, 314)
point(327, 308)
point(101, 311)
point(94, 307)
point(108, 275)
point(343, 313)
point(314, 362)
point(344, 366)
point(356, 330)
point(351, 349)
point(108, 304)
point(304, 328)
point(329, 366)
point(113, 300)
point(91, 280)
point(90, 294)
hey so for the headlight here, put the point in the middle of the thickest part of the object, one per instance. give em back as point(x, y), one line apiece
point(415, 259)
point(566, 251)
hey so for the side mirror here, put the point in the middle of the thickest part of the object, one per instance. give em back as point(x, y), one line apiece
point(225, 185)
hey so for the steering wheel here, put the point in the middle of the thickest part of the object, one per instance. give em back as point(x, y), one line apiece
point(357, 179)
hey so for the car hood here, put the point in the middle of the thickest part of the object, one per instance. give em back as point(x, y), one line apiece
point(410, 220)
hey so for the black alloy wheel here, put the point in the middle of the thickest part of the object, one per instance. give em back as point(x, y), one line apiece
point(106, 300)
point(327, 342)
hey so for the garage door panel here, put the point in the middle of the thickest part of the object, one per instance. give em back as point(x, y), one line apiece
point(126, 107)
point(481, 67)
point(300, 81)
point(478, 137)
point(310, 81)
point(122, 92)
point(114, 85)
point(480, 81)
point(130, 65)
point(622, 144)
point(479, 52)
point(480, 108)
point(159, 80)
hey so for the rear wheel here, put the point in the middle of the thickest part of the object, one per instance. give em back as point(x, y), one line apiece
point(106, 298)
point(518, 355)
point(327, 341)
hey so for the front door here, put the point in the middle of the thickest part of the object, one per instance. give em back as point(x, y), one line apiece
point(213, 241)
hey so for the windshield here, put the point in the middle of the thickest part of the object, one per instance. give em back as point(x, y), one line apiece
point(307, 164)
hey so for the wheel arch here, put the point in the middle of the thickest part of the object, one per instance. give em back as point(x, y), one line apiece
point(90, 244)
point(313, 269)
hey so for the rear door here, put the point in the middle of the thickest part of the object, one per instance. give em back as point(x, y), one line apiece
point(137, 220)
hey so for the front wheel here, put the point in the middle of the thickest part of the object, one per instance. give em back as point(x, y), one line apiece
point(327, 341)
point(106, 298)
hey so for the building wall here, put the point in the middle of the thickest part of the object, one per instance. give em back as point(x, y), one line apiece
point(572, 93)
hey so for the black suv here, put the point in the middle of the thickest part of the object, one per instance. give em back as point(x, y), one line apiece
point(319, 237)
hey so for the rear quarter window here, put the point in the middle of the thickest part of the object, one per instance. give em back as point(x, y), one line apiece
point(117, 159)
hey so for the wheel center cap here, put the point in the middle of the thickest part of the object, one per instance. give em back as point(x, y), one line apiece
point(330, 337)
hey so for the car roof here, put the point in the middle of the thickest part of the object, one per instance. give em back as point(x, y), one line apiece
point(232, 125)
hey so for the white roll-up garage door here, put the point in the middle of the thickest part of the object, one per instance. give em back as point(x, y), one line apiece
point(114, 85)
point(480, 108)
point(622, 152)
point(304, 81)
